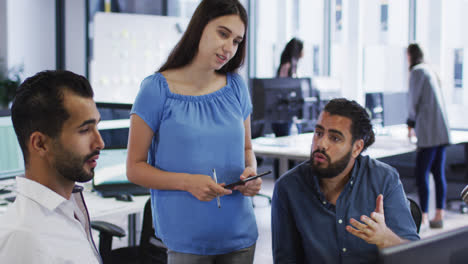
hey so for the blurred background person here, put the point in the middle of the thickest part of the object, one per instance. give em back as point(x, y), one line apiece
point(427, 120)
point(290, 57)
point(288, 68)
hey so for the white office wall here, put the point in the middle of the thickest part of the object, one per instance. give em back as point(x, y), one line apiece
point(352, 79)
point(3, 37)
point(372, 23)
point(452, 27)
point(398, 22)
point(397, 32)
point(384, 51)
point(346, 49)
point(429, 33)
point(311, 31)
point(266, 40)
point(440, 29)
point(454, 35)
point(75, 36)
point(31, 35)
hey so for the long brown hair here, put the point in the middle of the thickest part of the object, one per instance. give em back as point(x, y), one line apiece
point(186, 49)
point(292, 52)
point(416, 55)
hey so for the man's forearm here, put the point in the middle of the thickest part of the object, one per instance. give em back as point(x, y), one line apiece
point(391, 239)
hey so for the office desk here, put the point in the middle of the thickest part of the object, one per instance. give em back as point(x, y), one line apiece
point(104, 209)
point(392, 141)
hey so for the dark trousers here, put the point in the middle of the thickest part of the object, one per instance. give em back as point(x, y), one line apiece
point(431, 160)
point(242, 256)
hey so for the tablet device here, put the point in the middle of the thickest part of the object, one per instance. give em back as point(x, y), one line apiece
point(242, 182)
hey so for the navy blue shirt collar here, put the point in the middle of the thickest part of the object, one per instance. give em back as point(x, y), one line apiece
point(313, 181)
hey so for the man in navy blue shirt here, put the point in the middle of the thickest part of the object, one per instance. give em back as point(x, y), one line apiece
point(340, 206)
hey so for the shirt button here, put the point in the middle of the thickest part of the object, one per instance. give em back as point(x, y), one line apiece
point(340, 221)
point(324, 202)
point(351, 182)
point(344, 249)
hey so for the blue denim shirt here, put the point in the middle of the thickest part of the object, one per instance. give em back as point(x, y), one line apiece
point(306, 228)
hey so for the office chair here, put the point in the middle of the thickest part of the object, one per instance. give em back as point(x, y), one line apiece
point(464, 194)
point(150, 250)
point(416, 213)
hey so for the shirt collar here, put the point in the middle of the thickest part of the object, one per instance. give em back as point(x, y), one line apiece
point(40, 193)
point(77, 189)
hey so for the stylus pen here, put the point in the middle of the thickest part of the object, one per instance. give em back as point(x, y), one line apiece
point(217, 196)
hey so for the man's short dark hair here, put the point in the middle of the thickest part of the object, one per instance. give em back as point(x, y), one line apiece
point(38, 104)
point(361, 127)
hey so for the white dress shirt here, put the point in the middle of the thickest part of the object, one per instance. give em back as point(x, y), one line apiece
point(43, 227)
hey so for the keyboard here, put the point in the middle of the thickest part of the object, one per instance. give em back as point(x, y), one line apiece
point(4, 191)
point(112, 190)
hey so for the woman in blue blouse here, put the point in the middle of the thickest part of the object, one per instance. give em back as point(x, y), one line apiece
point(189, 118)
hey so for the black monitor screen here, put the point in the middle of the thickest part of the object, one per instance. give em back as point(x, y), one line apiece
point(374, 106)
point(278, 99)
point(114, 138)
point(449, 247)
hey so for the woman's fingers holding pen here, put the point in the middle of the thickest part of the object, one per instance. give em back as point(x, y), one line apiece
point(204, 188)
point(220, 190)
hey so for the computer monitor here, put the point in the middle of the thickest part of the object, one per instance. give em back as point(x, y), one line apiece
point(374, 106)
point(395, 108)
point(277, 99)
point(110, 175)
point(387, 109)
point(280, 99)
point(11, 156)
point(449, 247)
point(114, 138)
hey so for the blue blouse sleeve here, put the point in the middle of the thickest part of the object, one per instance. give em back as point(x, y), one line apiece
point(149, 103)
point(243, 95)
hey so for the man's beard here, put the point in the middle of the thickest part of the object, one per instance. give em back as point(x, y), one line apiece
point(333, 169)
point(71, 165)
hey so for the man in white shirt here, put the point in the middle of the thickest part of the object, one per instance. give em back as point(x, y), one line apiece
point(55, 120)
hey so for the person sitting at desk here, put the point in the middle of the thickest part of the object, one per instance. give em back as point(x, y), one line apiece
point(313, 202)
point(55, 119)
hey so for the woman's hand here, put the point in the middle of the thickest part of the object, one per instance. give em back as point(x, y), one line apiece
point(250, 188)
point(204, 188)
point(411, 133)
